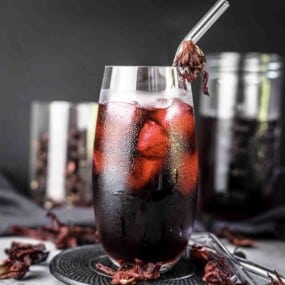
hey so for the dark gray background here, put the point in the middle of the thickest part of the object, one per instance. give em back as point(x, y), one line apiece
point(56, 49)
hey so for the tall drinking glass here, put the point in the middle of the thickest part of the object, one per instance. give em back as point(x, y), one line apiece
point(145, 173)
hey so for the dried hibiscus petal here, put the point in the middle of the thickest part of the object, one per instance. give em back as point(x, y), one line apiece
point(20, 257)
point(200, 254)
point(217, 271)
point(130, 274)
point(16, 270)
point(27, 253)
point(235, 239)
point(216, 268)
point(62, 235)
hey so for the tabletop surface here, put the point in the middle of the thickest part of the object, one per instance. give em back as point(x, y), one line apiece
point(269, 253)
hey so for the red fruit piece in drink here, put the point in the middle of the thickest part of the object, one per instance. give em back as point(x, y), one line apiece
point(99, 124)
point(97, 161)
point(152, 140)
point(187, 173)
point(142, 171)
point(178, 119)
point(98, 131)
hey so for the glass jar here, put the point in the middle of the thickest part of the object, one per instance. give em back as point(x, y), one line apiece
point(240, 134)
point(61, 150)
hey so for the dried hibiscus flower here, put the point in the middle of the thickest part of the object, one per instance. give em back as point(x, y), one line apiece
point(217, 271)
point(62, 235)
point(16, 270)
point(192, 59)
point(128, 274)
point(27, 253)
point(216, 268)
point(20, 257)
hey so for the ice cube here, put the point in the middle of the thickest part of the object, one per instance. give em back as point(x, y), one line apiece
point(142, 171)
point(152, 140)
point(187, 173)
point(117, 124)
point(178, 119)
point(107, 163)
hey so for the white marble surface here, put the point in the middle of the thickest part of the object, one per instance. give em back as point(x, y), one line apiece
point(267, 253)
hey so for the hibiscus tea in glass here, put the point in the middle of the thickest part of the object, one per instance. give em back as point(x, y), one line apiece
point(145, 164)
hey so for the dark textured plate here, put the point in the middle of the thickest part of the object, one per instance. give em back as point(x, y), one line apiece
point(78, 266)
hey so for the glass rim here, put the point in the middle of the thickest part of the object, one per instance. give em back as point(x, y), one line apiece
point(145, 78)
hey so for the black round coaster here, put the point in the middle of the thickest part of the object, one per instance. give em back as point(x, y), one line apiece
point(78, 266)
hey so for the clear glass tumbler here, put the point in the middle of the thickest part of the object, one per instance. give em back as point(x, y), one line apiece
point(145, 172)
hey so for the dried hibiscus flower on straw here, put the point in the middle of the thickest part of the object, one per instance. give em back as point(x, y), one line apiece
point(62, 235)
point(20, 257)
point(128, 274)
point(189, 56)
point(192, 59)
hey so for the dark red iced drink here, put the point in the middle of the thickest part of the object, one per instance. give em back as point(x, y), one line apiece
point(145, 178)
